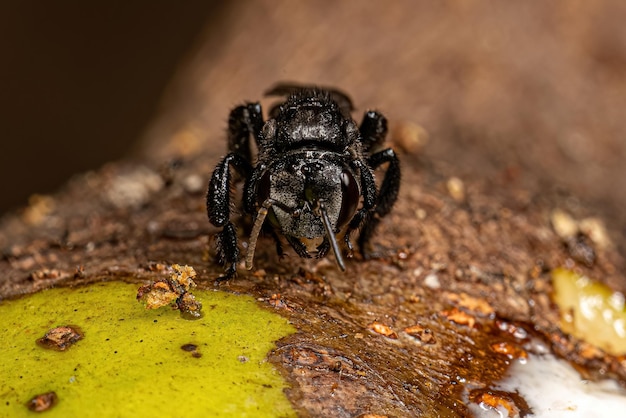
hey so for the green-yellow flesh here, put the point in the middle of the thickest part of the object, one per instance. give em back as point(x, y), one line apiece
point(590, 311)
point(130, 362)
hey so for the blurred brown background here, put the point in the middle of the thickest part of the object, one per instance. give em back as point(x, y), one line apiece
point(79, 81)
point(523, 93)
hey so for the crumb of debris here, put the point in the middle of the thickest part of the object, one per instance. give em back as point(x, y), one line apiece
point(61, 338)
point(194, 184)
point(187, 141)
point(408, 136)
point(459, 317)
point(471, 303)
point(174, 290)
point(414, 299)
point(589, 351)
point(564, 225)
point(189, 306)
point(596, 231)
point(45, 274)
point(425, 335)
point(193, 349)
point(579, 237)
point(184, 275)
point(515, 405)
point(510, 350)
point(513, 329)
point(155, 295)
point(432, 281)
point(382, 329)
point(260, 273)
point(568, 228)
point(42, 402)
point(456, 188)
point(133, 189)
point(157, 267)
point(39, 206)
point(277, 302)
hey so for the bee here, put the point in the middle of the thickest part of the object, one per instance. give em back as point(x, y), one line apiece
point(311, 178)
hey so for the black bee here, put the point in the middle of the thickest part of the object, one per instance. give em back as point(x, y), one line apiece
point(312, 166)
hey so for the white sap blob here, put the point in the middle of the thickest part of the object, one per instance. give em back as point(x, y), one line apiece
point(554, 389)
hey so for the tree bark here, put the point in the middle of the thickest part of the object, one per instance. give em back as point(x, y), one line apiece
point(468, 247)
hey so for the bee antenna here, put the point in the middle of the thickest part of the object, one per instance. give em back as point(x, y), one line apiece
point(331, 237)
point(256, 230)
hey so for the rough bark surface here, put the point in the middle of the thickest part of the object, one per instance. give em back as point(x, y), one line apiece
point(411, 332)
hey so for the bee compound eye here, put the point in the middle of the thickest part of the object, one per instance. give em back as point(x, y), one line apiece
point(350, 197)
